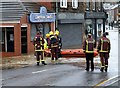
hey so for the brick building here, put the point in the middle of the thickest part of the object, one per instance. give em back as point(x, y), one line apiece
point(17, 31)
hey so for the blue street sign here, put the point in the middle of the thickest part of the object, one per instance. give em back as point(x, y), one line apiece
point(43, 16)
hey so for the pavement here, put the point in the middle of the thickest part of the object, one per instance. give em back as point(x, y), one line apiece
point(30, 60)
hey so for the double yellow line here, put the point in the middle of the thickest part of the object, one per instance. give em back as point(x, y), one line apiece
point(104, 81)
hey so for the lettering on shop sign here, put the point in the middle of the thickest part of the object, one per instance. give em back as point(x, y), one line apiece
point(43, 16)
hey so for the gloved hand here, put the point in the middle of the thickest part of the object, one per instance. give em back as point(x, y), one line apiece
point(84, 51)
point(98, 51)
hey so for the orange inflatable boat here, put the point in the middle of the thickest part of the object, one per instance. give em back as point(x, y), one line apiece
point(71, 53)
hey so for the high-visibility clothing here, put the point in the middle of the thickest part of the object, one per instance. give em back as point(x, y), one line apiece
point(45, 44)
point(104, 45)
point(53, 41)
point(39, 43)
point(88, 46)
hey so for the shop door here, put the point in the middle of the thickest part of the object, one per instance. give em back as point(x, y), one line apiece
point(23, 40)
point(10, 40)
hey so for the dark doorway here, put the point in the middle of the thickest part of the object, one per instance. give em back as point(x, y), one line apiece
point(23, 40)
point(10, 40)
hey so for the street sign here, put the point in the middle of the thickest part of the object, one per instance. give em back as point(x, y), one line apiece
point(43, 16)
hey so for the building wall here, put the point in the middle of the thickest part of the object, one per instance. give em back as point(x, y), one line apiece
point(17, 40)
point(24, 22)
point(70, 9)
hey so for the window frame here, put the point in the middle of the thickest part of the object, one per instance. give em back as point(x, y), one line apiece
point(75, 2)
point(63, 3)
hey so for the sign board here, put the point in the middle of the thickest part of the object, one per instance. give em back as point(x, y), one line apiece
point(43, 16)
point(70, 16)
point(88, 21)
point(99, 21)
point(93, 15)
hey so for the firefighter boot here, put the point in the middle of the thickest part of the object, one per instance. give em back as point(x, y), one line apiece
point(38, 63)
point(43, 62)
point(102, 69)
point(57, 61)
point(106, 68)
point(52, 61)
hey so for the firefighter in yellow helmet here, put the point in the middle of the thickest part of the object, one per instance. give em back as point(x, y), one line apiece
point(53, 47)
point(59, 42)
point(51, 33)
point(88, 47)
point(48, 40)
point(39, 47)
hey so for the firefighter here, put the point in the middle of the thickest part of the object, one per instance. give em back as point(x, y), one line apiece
point(53, 47)
point(88, 48)
point(59, 43)
point(39, 48)
point(48, 40)
point(104, 50)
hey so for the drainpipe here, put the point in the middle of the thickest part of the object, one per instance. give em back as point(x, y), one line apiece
point(5, 40)
point(56, 10)
point(95, 26)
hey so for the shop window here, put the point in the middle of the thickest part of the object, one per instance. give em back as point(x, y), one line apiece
point(7, 40)
point(74, 4)
point(63, 3)
point(43, 27)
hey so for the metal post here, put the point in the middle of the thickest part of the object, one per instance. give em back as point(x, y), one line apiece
point(56, 13)
point(95, 30)
point(103, 25)
point(95, 25)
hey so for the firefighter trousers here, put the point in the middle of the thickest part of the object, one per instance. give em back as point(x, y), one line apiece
point(39, 56)
point(89, 57)
point(54, 53)
point(104, 59)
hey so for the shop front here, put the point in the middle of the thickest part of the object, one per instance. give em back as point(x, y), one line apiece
point(71, 27)
point(42, 21)
point(95, 23)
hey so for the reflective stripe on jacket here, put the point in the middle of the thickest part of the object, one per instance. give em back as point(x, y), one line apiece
point(39, 44)
point(104, 45)
point(89, 45)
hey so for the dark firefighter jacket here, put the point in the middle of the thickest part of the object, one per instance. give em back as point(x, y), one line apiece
point(89, 45)
point(104, 45)
point(38, 43)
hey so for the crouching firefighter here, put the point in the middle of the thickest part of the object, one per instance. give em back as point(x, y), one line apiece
point(88, 48)
point(54, 47)
point(39, 48)
point(104, 50)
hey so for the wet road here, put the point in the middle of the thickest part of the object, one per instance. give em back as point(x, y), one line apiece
point(65, 74)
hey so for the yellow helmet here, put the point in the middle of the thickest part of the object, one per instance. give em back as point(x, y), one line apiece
point(47, 35)
point(57, 32)
point(51, 33)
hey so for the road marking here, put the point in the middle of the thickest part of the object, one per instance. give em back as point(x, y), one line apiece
point(42, 71)
point(113, 82)
point(99, 84)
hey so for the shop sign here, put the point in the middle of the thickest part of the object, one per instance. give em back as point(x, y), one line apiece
point(43, 16)
point(95, 15)
point(99, 21)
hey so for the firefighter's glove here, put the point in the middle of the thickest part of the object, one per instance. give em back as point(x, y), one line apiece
point(98, 51)
point(84, 51)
